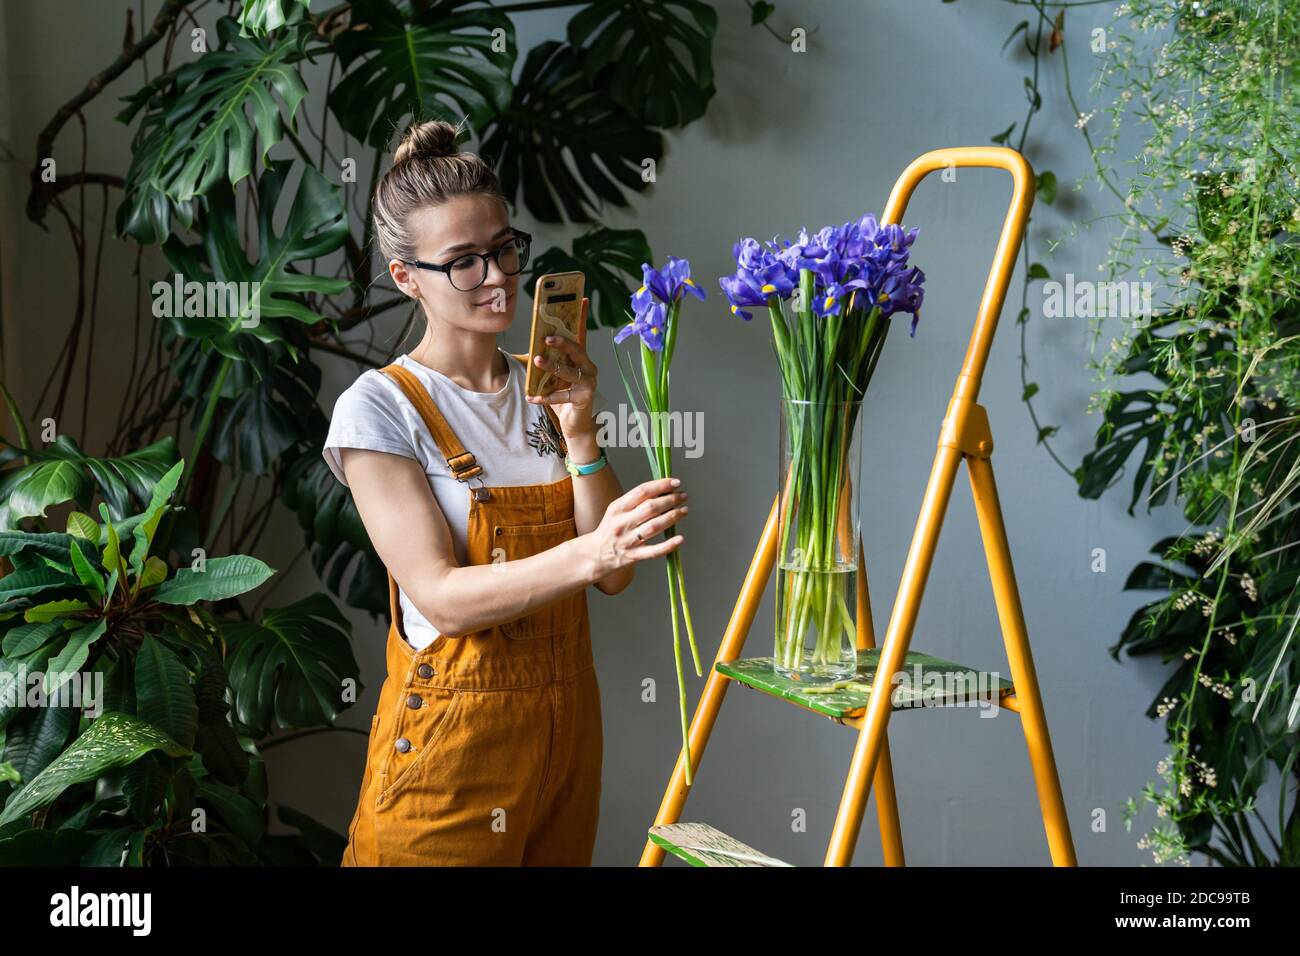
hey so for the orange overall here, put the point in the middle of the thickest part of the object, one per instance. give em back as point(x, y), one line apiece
point(486, 747)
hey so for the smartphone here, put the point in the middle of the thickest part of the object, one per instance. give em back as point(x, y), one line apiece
point(557, 310)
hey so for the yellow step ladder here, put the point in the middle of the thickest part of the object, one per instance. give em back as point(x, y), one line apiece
point(964, 435)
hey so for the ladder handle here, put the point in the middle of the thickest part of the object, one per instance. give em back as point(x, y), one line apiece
point(898, 635)
point(1004, 257)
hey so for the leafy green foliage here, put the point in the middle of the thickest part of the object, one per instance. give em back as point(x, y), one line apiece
point(558, 116)
point(316, 226)
point(333, 529)
point(111, 741)
point(221, 578)
point(1143, 421)
point(95, 604)
point(1212, 423)
point(660, 53)
point(289, 669)
point(260, 17)
point(439, 64)
point(200, 125)
point(62, 472)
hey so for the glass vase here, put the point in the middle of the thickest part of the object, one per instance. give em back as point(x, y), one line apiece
point(817, 540)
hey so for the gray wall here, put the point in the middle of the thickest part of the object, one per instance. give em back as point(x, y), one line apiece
point(790, 140)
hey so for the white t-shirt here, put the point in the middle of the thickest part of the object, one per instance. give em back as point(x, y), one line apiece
point(512, 439)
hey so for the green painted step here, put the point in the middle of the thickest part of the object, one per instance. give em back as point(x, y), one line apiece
point(701, 845)
point(937, 683)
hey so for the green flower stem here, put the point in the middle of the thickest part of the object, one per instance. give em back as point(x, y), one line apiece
point(681, 677)
point(655, 380)
point(819, 445)
point(686, 608)
point(825, 364)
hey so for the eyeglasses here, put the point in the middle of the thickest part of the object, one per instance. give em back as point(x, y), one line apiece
point(466, 273)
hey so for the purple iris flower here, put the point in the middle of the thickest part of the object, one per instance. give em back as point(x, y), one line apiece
point(668, 284)
point(829, 300)
point(809, 253)
point(761, 273)
point(859, 265)
point(662, 288)
point(649, 320)
point(743, 293)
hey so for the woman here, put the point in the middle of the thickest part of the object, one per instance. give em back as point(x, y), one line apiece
point(486, 746)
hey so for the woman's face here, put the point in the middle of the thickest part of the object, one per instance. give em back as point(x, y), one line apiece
point(474, 223)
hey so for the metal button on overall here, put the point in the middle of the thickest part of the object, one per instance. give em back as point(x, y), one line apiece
point(500, 763)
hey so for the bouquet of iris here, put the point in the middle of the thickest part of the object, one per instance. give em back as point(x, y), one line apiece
point(830, 297)
point(655, 307)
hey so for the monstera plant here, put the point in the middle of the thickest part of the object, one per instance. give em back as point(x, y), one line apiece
point(232, 185)
point(224, 150)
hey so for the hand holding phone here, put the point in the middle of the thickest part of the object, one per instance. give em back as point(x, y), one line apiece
point(559, 308)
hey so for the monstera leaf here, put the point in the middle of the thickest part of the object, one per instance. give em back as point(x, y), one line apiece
point(270, 399)
point(660, 51)
point(449, 61)
point(316, 226)
point(290, 668)
point(607, 257)
point(201, 124)
point(331, 525)
point(559, 117)
point(146, 212)
point(260, 17)
point(270, 413)
point(62, 472)
point(1142, 419)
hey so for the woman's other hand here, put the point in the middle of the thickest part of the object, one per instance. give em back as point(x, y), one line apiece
point(632, 520)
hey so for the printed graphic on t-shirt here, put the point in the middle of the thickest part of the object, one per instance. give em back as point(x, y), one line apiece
point(544, 436)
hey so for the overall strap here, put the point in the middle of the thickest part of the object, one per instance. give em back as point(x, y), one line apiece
point(462, 464)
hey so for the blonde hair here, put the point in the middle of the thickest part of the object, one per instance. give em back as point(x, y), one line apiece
point(427, 170)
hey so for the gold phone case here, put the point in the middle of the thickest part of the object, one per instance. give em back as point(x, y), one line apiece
point(557, 310)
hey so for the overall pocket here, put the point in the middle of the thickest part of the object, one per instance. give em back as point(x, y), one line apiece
point(523, 541)
point(414, 742)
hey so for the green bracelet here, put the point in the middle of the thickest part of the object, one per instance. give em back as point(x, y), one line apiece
point(594, 466)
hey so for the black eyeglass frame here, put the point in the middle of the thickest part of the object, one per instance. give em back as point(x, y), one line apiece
point(518, 234)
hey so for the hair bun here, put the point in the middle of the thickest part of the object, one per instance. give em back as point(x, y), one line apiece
point(427, 141)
